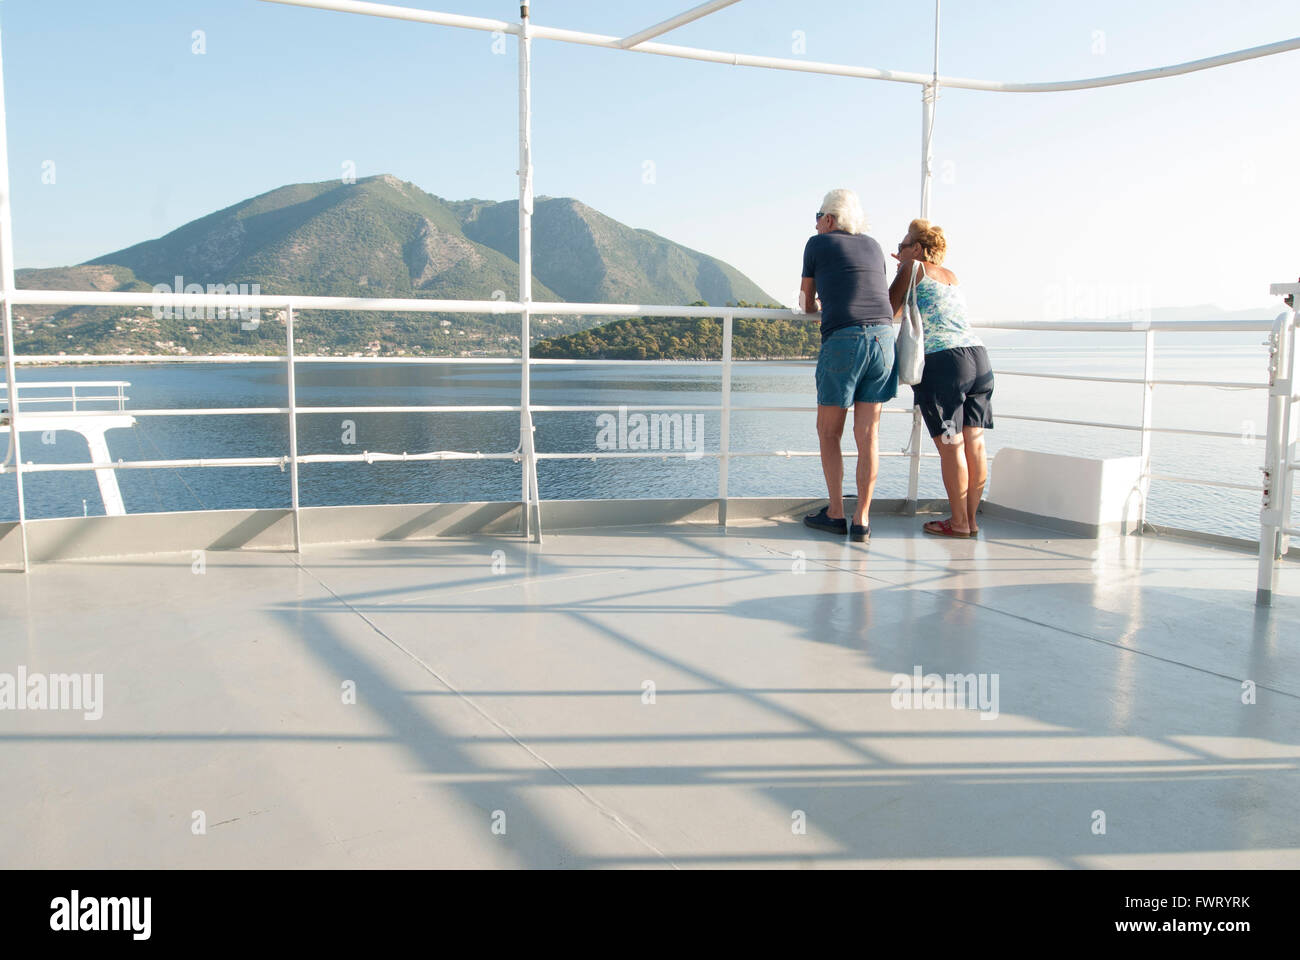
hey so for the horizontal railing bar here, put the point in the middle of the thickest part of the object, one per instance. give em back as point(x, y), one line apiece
point(1071, 423)
point(245, 358)
point(432, 408)
point(151, 464)
point(1226, 435)
point(815, 453)
point(1209, 383)
point(402, 457)
point(581, 408)
point(69, 383)
point(1123, 426)
point(458, 408)
point(688, 406)
point(696, 455)
point(265, 411)
point(1135, 380)
point(546, 308)
point(258, 301)
point(1206, 483)
point(205, 462)
point(112, 398)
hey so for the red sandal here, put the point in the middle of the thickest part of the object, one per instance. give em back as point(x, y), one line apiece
point(943, 528)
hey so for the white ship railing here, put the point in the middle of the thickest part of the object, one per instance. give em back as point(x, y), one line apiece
point(1277, 385)
point(1281, 392)
point(66, 394)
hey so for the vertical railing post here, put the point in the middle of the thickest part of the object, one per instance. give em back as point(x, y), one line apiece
point(1271, 520)
point(293, 429)
point(1286, 460)
point(913, 464)
point(7, 292)
point(530, 499)
point(724, 429)
point(1148, 396)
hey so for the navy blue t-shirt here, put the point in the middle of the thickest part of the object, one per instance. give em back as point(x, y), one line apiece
point(849, 270)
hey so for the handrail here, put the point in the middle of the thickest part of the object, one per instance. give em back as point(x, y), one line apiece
point(727, 314)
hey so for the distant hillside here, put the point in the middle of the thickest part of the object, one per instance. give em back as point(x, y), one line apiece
point(378, 237)
point(587, 257)
point(676, 338)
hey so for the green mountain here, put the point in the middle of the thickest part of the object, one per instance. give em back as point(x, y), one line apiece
point(587, 257)
point(377, 237)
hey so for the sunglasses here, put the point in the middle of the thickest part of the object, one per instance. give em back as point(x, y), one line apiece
point(821, 213)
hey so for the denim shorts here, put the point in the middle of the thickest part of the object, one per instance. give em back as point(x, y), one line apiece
point(856, 365)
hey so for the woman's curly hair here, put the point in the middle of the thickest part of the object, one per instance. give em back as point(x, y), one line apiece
point(931, 239)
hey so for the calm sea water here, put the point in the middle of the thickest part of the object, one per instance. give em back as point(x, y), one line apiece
point(1209, 509)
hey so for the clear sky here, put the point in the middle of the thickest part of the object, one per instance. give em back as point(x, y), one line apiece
point(1174, 192)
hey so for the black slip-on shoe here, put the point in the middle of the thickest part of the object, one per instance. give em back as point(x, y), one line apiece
point(859, 533)
point(820, 521)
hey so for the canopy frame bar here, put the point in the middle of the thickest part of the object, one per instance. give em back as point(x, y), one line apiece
point(672, 23)
point(536, 31)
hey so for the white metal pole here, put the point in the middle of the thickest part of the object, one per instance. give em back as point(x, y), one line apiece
point(7, 288)
point(1148, 396)
point(929, 94)
point(1288, 430)
point(1275, 456)
point(528, 455)
point(293, 431)
point(724, 435)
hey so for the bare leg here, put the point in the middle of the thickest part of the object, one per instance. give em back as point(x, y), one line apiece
point(977, 470)
point(830, 427)
point(866, 432)
point(952, 459)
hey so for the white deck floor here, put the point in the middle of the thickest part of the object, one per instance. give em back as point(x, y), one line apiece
point(1120, 666)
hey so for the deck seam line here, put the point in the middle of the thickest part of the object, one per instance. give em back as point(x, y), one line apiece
point(600, 807)
point(830, 564)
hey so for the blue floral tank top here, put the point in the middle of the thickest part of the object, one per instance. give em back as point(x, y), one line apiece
point(943, 316)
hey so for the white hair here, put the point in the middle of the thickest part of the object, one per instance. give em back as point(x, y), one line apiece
point(844, 206)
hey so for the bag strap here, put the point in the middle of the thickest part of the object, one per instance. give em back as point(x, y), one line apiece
point(911, 287)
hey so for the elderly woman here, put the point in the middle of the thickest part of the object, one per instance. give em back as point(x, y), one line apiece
point(845, 269)
point(956, 390)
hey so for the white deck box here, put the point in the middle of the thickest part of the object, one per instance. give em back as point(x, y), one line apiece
point(1086, 495)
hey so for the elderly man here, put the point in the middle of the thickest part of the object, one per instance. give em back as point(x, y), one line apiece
point(845, 269)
